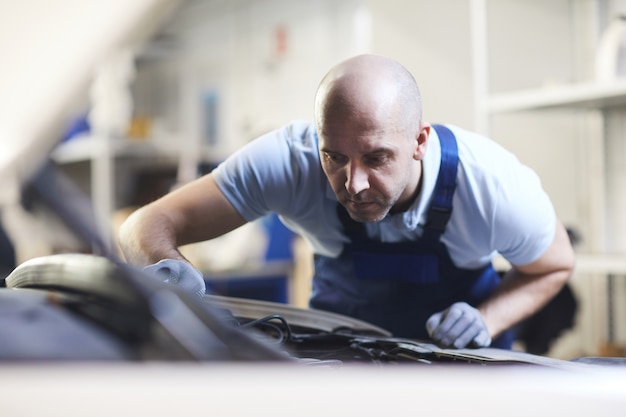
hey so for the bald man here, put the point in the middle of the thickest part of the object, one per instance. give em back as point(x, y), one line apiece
point(403, 217)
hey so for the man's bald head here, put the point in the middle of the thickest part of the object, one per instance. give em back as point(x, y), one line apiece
point(372, 88)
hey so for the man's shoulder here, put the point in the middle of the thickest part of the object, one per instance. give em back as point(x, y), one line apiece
point(475, 140)
point(300, 129)
point(483, 156)
point(300, 137)
point(296, 139)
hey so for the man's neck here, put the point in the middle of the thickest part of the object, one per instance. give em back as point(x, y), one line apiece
point(417, 189)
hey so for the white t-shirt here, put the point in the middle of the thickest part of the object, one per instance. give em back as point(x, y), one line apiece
point(499, 205)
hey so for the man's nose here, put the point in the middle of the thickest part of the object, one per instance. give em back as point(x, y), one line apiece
point(356, 179)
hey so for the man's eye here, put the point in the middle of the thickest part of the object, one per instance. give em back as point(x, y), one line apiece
point(377, 160)
point(333, 158)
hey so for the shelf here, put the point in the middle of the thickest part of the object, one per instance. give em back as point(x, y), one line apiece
point(586, 263)
point(87, 148)
point(584, 96)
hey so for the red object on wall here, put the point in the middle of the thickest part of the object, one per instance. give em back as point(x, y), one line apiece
point(281, 40)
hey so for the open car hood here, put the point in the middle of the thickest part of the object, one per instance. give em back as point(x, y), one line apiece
point(80, 282)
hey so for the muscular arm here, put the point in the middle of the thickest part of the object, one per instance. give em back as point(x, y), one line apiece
point(195, 212)
point(527, 288)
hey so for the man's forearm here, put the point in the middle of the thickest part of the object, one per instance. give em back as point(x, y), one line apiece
point(520, 296)
point(147, 237)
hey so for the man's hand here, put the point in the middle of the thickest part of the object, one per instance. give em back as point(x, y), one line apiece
point(459, 326)
point(180, 273)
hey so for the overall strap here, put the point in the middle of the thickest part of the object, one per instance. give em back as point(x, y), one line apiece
point(441, 205)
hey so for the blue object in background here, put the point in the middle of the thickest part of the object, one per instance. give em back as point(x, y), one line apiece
point(7, 255)
point(265, 288)
point(280, 239)
point(210, 109)
point(76, 127)
point(268, 285)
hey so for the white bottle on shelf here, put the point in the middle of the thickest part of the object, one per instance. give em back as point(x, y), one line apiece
point(111, 98)
point(610, 60)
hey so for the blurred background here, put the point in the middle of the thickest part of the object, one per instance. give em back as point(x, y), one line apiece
point(131, 99)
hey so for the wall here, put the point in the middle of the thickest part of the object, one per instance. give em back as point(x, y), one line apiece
point(432, 40)
point(260, 60)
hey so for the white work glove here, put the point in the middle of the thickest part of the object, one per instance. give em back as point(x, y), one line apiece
point(180, 273)
point(459, 326)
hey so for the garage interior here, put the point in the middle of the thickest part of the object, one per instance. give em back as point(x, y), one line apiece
point(211, 75)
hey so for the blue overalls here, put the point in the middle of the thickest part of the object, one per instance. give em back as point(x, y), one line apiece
point(398, 286)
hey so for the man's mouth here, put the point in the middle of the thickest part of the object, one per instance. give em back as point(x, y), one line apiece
point(360, 205)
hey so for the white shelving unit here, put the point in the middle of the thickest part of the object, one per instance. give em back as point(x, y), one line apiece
point(102, 154)
point(598, 100)
point(595, 99)
point(583, 96)
point(579, 96)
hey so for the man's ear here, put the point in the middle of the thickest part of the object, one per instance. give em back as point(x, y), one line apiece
point(422, 142)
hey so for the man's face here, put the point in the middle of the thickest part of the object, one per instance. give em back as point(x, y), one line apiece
point(371, 168)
